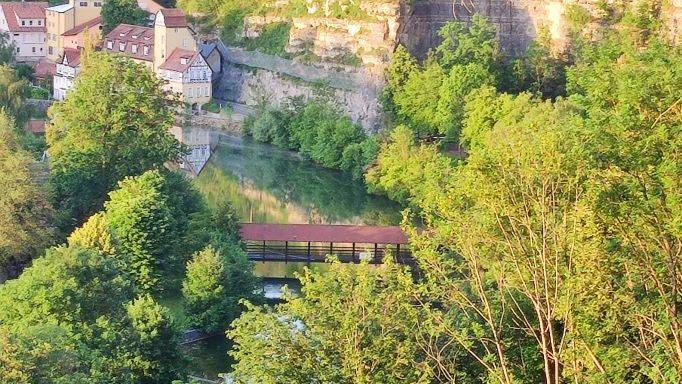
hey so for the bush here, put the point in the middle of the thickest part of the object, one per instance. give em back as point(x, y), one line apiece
point(38, 93)
point(272, 39)
point(318, 132)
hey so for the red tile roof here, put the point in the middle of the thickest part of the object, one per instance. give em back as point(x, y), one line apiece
point(130, 35)
point(72, 56)
point(179, 60)
point(15, 11)
point(81, 27)
point(35, 126)
point(173, 17)
point(323, 233)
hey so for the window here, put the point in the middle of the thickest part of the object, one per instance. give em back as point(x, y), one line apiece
point(33, 49)
point(146, 50)
point(18, 49)
point(23, 22)
point(121, 47)
point(40, 22)
point(49, 50)
point(110, 45)
point(83, 3)
point(134, 48)
point(98, 3)
point(16, 35)
point(41, 49)
point(30, 22)
point(191, 93)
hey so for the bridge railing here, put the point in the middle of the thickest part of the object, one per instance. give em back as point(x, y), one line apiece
point(316, 253)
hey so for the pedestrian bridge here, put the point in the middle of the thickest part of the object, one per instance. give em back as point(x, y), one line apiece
point(312, 243)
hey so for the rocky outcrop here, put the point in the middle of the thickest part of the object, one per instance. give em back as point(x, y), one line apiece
point(252, 78)
point(372, 38)
point(517, 21)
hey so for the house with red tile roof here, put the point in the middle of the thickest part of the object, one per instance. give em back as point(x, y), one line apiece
point(26, 26)
point(170, 50)
point(67, 69)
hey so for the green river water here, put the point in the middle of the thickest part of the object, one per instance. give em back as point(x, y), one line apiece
point(266, 184)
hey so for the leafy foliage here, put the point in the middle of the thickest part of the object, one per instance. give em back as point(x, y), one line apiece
point(26, 215)
point(114, 124)
point(318, 132)
point(354, 324)
point(6, 49)
point(115, 12)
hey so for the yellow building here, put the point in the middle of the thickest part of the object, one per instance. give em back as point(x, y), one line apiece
point(65, 17)
point(170, 50)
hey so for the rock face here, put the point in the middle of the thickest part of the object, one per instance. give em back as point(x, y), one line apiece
point(252, 78)
point(371, 38)
point(517, 21)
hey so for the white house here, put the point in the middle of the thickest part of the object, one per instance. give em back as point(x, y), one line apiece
point(67, 70)
point(25, 25)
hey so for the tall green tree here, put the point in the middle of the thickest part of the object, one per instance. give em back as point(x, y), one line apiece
point(354, 324)
point(631, 97)
point(141, 220)
point(26, 215)
point(114, 124)
point(6, 49)
point(115, 12)
point(13, 92)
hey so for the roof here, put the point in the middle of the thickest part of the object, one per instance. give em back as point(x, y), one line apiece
point(206, 49)
point(81, 27)
point(15, 11)
point(61, 8)
point(131, 35)
point(179, 60)
point(44, 68)
point(72, 56)
point(35, 126)
point(173, 17)
point(323, 233)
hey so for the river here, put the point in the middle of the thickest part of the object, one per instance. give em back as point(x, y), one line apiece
point(267, 184)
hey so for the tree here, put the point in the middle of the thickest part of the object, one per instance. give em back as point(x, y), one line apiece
point(6, 49)
point(204, 288)
point(13, 91)
point(630, 95)
point(464, 44)
point(114, 124)
point(115, 12)
point(26, 215)
point(142, 222)
point(68, 286)
point(404, 168)
point(417, 100)
point(353, 324)
point(155, 342)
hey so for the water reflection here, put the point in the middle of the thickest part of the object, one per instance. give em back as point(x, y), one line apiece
point(269, 185)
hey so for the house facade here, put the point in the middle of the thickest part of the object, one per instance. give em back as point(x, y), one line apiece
point(67, 69)
point(67, 17)
point(170, 50)
point(25, 23)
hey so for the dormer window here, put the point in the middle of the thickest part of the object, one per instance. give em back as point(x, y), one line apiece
point(183, 60)
point(40, 22)
point(134, 48)
point(121, 47)
point(110, 45)
point(136, 36)
point(122, 34)
point(23, 22)
point(30, 22)
point(146, 51)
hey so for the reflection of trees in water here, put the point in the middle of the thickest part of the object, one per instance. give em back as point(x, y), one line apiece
point(326, 196)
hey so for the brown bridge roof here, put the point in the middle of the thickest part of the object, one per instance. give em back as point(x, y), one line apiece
point(323, 233)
